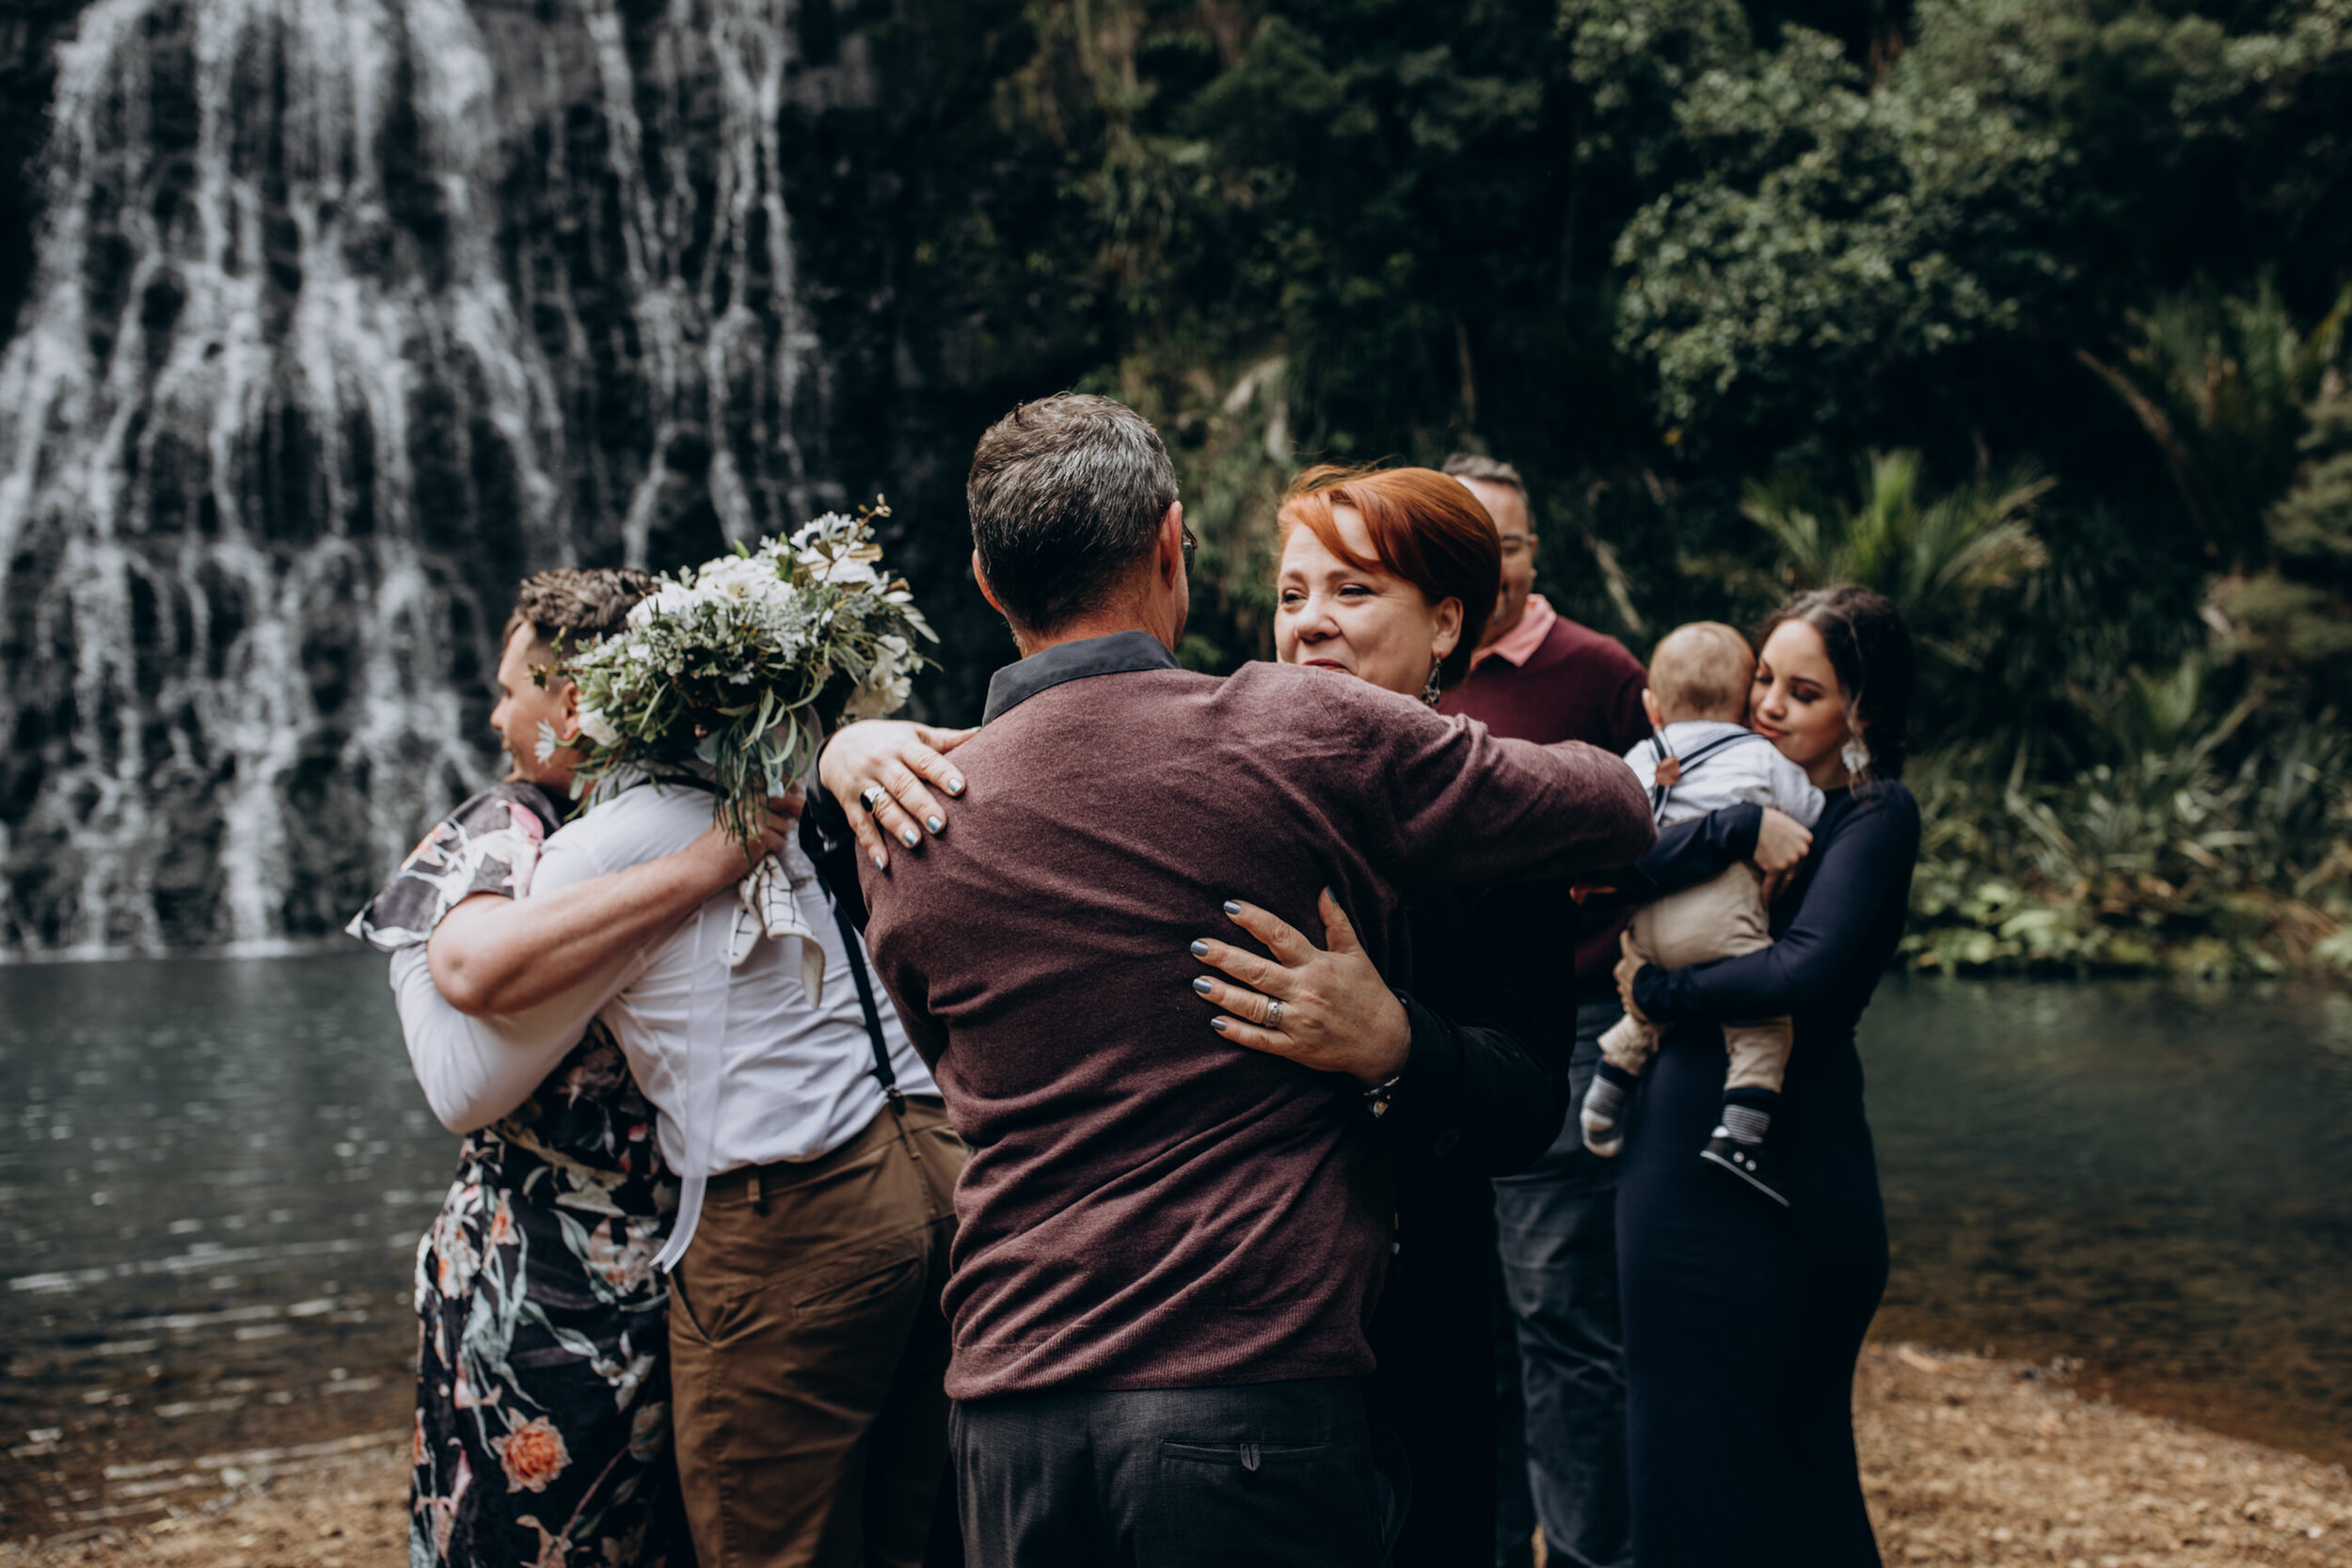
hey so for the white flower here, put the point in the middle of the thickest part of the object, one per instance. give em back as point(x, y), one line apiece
point(596, 727)
point(846, 571)
point(883, 690)
point(544, 748)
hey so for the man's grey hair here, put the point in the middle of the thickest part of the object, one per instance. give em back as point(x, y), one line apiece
point(1491, 470)
point(1067, 494)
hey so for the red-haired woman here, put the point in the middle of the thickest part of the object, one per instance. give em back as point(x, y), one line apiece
point(1389, 575)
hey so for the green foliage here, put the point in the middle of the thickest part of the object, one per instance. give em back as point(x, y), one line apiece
point(2067, 276)
point(2221, 385)
point(2293, 621)
point(1935, 558)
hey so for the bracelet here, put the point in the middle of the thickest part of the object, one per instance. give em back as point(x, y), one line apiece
point(1378, 1098)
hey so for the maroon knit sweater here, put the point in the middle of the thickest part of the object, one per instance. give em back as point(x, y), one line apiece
point(1578, 685)
point(1146, 1205)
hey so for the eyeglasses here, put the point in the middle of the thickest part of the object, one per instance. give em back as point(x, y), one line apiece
point(1516, 545)
point(1192, 546)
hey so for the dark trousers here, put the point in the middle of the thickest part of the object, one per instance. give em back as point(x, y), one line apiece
point(1559, 1364)
point(1268, 1475)
point(1434, 1384)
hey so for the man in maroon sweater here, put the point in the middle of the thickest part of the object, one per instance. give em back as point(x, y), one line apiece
point(1169, 1239)
point(1540, 677)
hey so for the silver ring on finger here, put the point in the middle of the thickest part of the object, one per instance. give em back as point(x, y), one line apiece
point(871, 797)
point(1273, 1014)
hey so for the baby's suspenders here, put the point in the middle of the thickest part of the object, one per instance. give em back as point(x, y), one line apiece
point(1660, 794)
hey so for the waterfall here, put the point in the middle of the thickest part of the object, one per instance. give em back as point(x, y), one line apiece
point(346, 314)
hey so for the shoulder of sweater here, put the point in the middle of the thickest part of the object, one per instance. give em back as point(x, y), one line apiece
point(1304, 696)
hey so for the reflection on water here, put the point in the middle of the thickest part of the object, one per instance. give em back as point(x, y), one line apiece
point(213, 1174)
point(2153, 1180)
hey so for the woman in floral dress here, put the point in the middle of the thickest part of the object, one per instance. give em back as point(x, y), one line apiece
point(543, 1396)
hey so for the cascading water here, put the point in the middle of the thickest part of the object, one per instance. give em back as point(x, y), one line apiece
point(346, 314)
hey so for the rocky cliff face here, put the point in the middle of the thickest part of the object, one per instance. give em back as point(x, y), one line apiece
point(338, 319)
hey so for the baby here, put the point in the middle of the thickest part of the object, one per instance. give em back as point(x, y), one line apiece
point(1707, 758)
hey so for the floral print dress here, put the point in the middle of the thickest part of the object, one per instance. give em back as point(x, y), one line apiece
point(543, 1380)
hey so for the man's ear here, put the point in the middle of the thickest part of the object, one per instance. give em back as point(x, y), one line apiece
point(567, 705)
point(986, 592)
point(1172, 558)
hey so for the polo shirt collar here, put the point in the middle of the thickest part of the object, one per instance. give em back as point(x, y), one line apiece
point(1121, 653)
point(1517, 645)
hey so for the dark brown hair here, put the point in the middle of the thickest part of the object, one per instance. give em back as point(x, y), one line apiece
point(1869, 648)
point(1067, 494)
point(1425, 527)
point(574, 604)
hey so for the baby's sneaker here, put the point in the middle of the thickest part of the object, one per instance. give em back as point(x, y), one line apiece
point(1749, 1163)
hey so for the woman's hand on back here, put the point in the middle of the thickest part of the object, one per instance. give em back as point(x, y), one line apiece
point(1782, 843)
point(887, 762)
point(1337, 1015)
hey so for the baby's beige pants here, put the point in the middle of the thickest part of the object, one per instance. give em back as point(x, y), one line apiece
point(1721, 918)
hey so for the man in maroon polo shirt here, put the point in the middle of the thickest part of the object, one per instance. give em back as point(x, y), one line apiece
point(1540, 677)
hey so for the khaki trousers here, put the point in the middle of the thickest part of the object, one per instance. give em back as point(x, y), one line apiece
point(1721, 918)
point(807, 1352)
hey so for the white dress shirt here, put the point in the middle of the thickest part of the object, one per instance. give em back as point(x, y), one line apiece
point(1738, 771)
point(740, 1067)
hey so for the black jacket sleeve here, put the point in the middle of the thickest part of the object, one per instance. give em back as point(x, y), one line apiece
point(1485, 1083)
point(1686, 854)
point(1855, 875)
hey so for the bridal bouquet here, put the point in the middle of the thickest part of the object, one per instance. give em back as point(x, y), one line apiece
point(721, 676)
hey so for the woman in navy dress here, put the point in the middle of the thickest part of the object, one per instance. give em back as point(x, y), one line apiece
point(1742, 1323)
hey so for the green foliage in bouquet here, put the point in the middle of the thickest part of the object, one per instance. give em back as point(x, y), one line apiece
point(722, 673)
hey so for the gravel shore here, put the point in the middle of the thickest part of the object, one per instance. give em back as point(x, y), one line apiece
point(1965, 1460)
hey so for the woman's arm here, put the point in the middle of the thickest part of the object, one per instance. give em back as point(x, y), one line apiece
point(1702, 848)
point(1481, 1079)
point(473, 1071)
point(494, 955)
point(1870, 855)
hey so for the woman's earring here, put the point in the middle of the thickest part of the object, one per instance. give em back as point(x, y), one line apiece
point(1429, 692)
point(1856, 755)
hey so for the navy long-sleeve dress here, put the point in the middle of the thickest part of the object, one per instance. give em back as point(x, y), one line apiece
point(1742, 1325)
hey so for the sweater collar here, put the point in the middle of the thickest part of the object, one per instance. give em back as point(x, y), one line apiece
point(1121, 653)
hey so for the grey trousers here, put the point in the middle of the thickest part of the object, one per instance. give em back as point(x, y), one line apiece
point(1267, 1475)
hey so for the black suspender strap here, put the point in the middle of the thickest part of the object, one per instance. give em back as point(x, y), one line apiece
point(883, 1074)
point(1659, 793)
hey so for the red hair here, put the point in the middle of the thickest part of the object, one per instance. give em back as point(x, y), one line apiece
point(1426, 528)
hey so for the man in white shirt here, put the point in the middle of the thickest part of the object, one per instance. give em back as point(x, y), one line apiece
point(807, 1347)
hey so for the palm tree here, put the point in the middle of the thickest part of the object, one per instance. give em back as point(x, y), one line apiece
point(2221, 383)
point(1937, 558)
